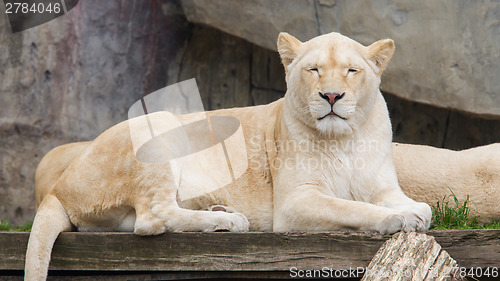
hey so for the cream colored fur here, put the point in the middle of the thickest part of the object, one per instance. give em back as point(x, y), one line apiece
point(425, 174)
point(428, 174)
point(312, 166)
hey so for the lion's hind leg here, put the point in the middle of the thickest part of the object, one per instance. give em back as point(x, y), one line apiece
point(161, 214)
point(176, 219)
point(206, 221)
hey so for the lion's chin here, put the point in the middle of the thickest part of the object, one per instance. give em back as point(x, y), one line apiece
point(333, 126)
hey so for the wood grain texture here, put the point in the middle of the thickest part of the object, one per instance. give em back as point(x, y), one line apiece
point(252, 251)
point(412, 256)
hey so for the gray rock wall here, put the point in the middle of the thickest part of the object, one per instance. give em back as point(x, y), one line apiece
point(72, 78)
point(447, 52)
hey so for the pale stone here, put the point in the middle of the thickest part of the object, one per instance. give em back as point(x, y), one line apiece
point(258, 21)
point(447, 52)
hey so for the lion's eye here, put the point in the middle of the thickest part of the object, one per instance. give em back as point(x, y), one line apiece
point(313, 69)
point(352, 70)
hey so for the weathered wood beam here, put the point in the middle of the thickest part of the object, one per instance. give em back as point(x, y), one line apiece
point(252, 251)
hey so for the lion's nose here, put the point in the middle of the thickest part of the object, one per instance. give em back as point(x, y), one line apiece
point(332, 97)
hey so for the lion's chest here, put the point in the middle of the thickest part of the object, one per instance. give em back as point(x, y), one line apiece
point(347, 174)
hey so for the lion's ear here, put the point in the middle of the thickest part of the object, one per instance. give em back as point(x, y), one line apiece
point(380, 53)
point(288, 47)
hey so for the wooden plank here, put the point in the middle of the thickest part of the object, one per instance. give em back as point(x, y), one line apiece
point(252, 251)
point(199, 251)
point(471, 248)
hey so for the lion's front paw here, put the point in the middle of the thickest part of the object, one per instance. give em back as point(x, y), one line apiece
point(391, 224)
point(234, 222)
point(416, 218)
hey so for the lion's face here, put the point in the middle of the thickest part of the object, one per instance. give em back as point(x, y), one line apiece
point(333, 80)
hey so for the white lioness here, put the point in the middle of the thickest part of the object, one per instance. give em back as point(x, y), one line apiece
point(333, 106)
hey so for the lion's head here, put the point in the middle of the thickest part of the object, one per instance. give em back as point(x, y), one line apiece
point(332, 80)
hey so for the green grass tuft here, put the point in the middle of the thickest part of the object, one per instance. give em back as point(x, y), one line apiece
point(25, 227)
point(5, 226)
point(456, 215)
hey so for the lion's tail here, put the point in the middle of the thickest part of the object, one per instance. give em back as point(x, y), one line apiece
point(50, 220)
